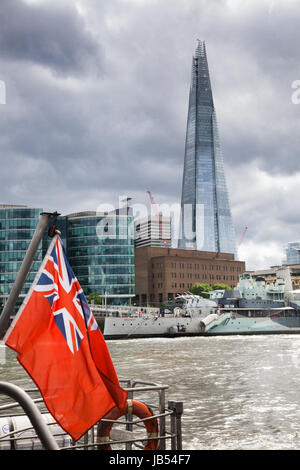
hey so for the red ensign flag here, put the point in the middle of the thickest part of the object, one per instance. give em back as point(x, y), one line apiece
point(61, 347)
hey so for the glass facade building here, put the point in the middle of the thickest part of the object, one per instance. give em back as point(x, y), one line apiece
point(17, 226)
point(100, 249)
point(206, 222)
point(292, 253)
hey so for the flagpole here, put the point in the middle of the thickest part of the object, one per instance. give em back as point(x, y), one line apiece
point(24, 269)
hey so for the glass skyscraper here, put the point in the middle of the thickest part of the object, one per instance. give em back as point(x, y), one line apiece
point(100, 250)
point(17, 226)
point(292, 252)
point(206, 222)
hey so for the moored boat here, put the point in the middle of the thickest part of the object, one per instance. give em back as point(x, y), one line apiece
point(182, 321)
point(254, 307)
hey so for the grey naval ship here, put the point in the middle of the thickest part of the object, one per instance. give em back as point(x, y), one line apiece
point(253, 307)
point(256, 307)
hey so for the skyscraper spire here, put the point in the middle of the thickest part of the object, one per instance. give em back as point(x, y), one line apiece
point(206, 222)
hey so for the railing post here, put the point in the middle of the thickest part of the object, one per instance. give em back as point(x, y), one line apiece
point(178, 412)
point(162, 420)
point(175, 426)
point(171, 406)
point(129, 426)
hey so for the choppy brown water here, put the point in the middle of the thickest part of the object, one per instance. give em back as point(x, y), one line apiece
point(238, 392)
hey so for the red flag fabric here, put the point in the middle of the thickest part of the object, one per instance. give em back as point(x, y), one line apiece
point(61, 347)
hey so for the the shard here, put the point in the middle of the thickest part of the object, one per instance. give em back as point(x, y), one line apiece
point(206, 222)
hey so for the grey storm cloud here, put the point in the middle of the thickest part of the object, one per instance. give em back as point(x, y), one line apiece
point(48, 34)
point(97, 99)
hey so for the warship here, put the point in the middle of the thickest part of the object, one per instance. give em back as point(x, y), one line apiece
point(256, 307)
point(253, 307)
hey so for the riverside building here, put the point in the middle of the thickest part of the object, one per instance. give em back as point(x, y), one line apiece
point(17, 226)
point(162, 273)
point(269, 274)
point(152, 231)
point(206, 222)
point(100, 250)
point(292, 253)
point(99, 247)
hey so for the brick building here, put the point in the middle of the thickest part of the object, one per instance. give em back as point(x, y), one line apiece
point(270, 274)
point(161, 273)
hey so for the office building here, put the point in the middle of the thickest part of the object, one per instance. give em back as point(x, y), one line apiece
point(17, 226)
point(162, 273)
point(292, 253)
point(206, 222)
point(99, 247)
point(153, 231)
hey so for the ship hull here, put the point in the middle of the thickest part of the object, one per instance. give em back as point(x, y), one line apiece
point(126, 328)
point(136, 327)
point(256, 325)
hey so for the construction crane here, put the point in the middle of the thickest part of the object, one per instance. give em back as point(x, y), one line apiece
point(158, 219)
point(243, 235)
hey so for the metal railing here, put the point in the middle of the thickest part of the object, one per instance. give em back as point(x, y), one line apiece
point(34, 428)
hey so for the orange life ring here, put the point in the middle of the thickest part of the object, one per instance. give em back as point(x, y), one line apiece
point(136, 408)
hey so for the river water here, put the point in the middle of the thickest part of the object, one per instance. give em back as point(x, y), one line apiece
point(239, 392)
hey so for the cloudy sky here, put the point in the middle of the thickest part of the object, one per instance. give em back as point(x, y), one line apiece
point(97, 97)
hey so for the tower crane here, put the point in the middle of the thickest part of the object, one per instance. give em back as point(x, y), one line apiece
point(158, 219)
point(243, 235)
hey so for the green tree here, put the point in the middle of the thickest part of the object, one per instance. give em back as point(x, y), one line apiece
point(201, 289)
point(221, 286)
point(94, 299)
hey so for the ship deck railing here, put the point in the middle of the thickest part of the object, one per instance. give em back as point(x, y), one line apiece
point(40, 431)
